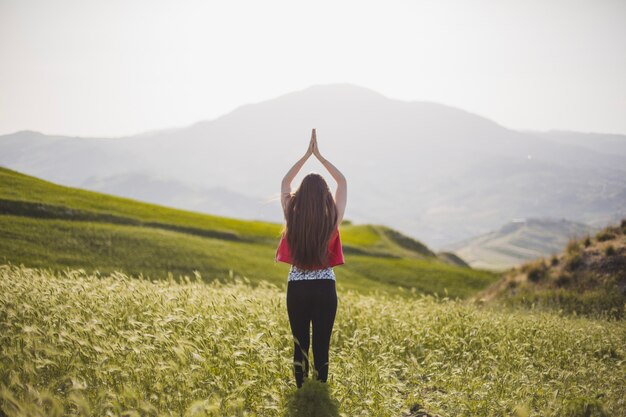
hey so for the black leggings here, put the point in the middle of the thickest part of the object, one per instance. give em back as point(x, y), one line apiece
point(313, 301)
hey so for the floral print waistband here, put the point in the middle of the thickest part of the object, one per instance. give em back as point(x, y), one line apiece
point(297, 274)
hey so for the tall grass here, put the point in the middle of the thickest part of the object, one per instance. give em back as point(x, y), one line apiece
point(79, 344)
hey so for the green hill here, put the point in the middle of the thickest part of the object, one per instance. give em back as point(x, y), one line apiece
point(588, 277)
point(47, 225)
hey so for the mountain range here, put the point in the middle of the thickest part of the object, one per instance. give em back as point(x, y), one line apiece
point(437, 173)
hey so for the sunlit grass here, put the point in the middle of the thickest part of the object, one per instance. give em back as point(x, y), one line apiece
point(113, 345)
point(153, 252)
point(47, 225)
point(18, 187)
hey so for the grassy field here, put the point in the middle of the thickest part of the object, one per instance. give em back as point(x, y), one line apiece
point(74, 344)
point(51, 226)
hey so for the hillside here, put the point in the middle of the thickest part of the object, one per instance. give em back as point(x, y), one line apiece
point(519, 241)
point(449, 175)
point(589, 277)
point(52, 226)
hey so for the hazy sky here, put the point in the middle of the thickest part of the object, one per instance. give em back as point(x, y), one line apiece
point(118, 67)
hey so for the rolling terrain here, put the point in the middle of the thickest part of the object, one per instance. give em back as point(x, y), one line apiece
point(519, 241)
point(51, 226)
point(82, 336)
point(588, 277)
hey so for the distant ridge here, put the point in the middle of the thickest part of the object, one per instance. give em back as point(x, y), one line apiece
point(438, 173)
point(519, 241)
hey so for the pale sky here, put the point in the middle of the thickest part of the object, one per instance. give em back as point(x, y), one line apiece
point(120, 67)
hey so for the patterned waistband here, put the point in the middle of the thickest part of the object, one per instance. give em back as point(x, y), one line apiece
point(297, 274)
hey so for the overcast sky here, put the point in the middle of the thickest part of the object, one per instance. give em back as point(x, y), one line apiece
point(119, 67)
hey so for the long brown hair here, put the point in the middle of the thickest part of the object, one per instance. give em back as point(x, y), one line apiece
point(311, 219)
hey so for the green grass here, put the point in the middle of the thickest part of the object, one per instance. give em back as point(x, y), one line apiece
point(19, 187)
point(47, 225)
point(151, 252)
point(74, 344)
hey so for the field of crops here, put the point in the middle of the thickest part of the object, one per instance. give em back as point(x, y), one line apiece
point(116, 345)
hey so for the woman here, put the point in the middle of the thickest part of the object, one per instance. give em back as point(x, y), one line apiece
point(311, 244)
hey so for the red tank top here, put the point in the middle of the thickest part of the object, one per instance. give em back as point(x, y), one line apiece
point(335, 252)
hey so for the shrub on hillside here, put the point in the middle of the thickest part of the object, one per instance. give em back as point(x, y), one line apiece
point(536, 272)
point(610, 250)
point(563, 279)
point(554, 261)
point(574, 262)
point(604, 235)
point(572, 247)
point(587, 241)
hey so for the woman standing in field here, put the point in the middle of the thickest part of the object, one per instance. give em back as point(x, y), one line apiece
point(311, 244)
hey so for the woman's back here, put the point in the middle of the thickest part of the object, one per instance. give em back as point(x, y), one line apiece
point(312, 245)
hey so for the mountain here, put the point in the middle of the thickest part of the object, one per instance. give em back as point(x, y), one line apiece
point(173, 193)
point(519, 241)
point(433, 171)
point(608, 144)
point(588, 277)
point(46, 225)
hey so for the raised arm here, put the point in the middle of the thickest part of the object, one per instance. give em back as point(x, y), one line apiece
point(285, 186)
point(341, 194)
